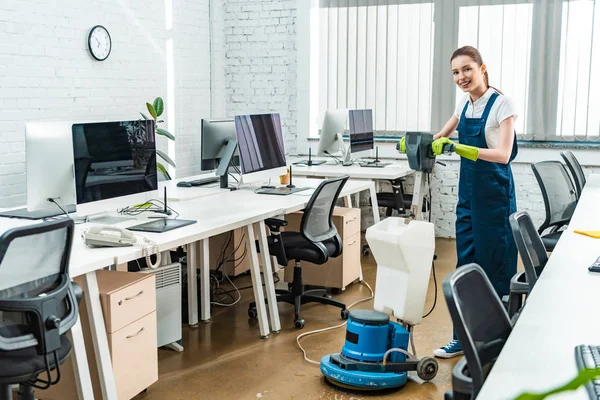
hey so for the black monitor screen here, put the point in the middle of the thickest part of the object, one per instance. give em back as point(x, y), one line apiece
point(260, 142)
point(114, 159)
point(361, 130)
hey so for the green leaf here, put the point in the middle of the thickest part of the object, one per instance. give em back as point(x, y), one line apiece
point(144, 116)
point(162, 169)
point(162, 132)
point(151, 110)
point(581, 379)
point(166, 158)
point(159, 106)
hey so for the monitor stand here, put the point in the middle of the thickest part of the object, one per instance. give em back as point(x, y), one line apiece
point(375, 163)
point(224, 163)
point(310, 161)
point(40, 214)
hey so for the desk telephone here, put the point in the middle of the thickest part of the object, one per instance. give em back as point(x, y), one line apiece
point(113, 236)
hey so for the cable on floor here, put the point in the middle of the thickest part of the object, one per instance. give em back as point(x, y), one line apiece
point(331, 328)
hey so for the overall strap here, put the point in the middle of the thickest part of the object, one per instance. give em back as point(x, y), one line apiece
point(464, 111)
point(489, 105)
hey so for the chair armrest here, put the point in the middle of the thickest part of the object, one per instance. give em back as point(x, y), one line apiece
point(275, 224)
point(462, 383)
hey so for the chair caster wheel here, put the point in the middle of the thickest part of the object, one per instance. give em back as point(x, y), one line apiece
point(365, 251)
point(345, 314)
point(299, 323)
point(336, 290)
point(427, 368)
point(326, 296)
point(252, 313)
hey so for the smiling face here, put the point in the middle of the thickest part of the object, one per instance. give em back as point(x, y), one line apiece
point(468, 75)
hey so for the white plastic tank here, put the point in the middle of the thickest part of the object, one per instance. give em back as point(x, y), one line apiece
point(403, 253)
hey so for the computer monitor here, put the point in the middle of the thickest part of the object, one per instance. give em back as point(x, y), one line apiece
point(214, 136)
point(49, 160)
point(260, 144)
point(331, 138)
point(114, 159)
point(361, 131)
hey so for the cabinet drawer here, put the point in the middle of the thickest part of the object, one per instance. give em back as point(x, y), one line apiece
point(351, 260)
point(351, 220)
point(125, 297)
point(134, 356)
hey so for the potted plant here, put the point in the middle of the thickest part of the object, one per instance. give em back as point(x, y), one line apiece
point(156, 109)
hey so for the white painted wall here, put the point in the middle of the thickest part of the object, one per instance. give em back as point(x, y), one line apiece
point(46, 72)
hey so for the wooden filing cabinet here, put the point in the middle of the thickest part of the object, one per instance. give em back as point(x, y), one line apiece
point(129, 307)
point(337, 272)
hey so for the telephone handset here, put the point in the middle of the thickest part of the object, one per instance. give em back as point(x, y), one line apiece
point(108, 236)
point(113, 236)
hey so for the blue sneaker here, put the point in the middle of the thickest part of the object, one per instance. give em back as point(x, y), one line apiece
point(452, 349)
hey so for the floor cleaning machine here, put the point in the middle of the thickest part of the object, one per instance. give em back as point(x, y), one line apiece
point(375, 354)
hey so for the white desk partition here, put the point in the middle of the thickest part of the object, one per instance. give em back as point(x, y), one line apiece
point(561, 313)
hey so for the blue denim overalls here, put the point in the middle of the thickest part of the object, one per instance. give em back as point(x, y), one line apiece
point(486, 197)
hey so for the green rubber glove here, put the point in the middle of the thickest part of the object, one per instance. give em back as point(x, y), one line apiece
point(402, 145)
point(463, 150)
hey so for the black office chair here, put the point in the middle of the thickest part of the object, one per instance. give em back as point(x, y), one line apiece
point(560, 199)
point(533, 255)
point(481, 324)
point(38, 303)
point(317, 240)
point(575, 169)
point(397, 200)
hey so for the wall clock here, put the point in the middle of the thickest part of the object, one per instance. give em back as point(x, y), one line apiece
point(99, 43)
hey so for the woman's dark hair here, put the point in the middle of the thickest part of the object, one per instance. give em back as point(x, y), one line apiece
point(474, 55)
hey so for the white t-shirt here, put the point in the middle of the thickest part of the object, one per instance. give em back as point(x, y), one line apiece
point(503, 108)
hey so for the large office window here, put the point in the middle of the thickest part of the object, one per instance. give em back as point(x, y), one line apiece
point(578, 108)
point(374, 55)
point(502, 33)
point(393, 56)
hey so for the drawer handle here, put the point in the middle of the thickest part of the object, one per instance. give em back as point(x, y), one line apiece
point(351, 220)
point(352, 243)
point(134, 335)
point(132, 297)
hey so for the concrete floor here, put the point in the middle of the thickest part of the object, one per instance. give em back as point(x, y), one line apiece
point(226, 359)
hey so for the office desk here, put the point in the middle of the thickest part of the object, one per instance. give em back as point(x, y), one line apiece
point(561, 313)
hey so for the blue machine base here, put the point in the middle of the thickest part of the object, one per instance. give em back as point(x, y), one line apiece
point(360, 380)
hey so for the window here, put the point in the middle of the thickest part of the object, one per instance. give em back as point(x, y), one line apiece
point(578, 109)
point(393, 56)
point(502, 33)
point(374, 56)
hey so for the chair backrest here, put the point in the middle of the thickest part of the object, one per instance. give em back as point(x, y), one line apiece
point(530, 245)
point(317, 219)
point(560, 197)
point(575, 169)
point(34, 282)
point(480, 320)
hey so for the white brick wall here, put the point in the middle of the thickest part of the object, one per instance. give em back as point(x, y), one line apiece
point(47, 74)
point(260, 61)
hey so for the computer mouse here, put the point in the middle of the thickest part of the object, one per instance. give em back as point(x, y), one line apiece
point(184, 184)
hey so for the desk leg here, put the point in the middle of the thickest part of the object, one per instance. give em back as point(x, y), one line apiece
point(348, 201)
point(192, 288)
point(374, 204)
point(80, 364)
point(268, 275)
point(204, 281)
point(261, 309)
point(99, 339)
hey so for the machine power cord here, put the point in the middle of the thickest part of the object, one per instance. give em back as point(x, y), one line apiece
point(331, 328)
point(435, 289)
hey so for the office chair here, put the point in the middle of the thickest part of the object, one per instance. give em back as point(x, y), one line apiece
point(575, 169)
point(481, 324)
point(559, 196)
point(317, 240)
point(534, 257)
point(38, 303)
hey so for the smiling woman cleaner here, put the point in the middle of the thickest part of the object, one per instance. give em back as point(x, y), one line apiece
point(484, 119)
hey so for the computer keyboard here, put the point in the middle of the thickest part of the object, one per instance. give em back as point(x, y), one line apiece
point(280, 191)
point(588, 357)
point(204, 181)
